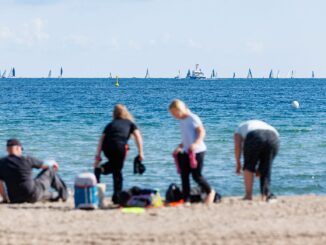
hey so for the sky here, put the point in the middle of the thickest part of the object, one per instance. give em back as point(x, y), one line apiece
point(125, 37)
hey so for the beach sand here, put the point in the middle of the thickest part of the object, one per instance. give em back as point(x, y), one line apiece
point(291, 220)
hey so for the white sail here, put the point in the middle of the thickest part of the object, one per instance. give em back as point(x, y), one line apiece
point(278, 74)
point(110, 75)
point(50, 74)
point(4, 74)
point(292, 74)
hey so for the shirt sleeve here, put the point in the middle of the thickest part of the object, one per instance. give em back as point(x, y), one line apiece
point(133, 127)
point(106, 129)
point(196, 121)
point(34, 162)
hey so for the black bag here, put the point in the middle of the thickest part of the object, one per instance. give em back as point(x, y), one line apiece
point(173, 194)
point(198, 195)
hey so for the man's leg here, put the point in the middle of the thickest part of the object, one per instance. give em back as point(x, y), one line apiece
point(248, 181)
point(185, 171)
point(47, 179)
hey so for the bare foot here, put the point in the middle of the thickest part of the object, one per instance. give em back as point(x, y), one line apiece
point(210, 197)
point(247, 198)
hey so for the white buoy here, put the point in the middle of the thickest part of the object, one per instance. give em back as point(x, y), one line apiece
point(295, 104)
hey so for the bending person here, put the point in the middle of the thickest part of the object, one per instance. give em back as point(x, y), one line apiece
point(192, 142)
point(113, 143)
point(16, 173)
point(260, 144)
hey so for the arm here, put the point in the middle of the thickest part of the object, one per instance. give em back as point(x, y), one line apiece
point(98, 151)
point(139, 142)
point(201, 133)
point(3, 193)
point(237, 152)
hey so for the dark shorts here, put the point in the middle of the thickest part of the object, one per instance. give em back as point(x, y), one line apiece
point(260, 146)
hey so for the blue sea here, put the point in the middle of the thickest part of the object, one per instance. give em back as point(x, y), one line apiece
point(63, 119)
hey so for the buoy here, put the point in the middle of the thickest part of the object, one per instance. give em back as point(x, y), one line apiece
point(117, 82)
point(295, 104)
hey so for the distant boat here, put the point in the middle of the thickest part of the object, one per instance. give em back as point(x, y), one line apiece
point(313, 74)
point(233, 75)
point(214, 74)
point(188, 74)
point(292, 74)
point(249, 76)
point(4, 74)
point(12, 73)
point(50, 74)
point(271, 75)
point(61, 73)
point(110, 75)
point(278, 74)
point(197, 73)
point(147, 74)
point(177, 76)
point(117, 82)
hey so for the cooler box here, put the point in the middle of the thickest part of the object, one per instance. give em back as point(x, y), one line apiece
point(86, 194)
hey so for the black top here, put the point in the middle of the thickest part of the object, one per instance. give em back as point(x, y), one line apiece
point(16, 172)
point(118, 132)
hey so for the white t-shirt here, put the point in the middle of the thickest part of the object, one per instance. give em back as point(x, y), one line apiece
point(189, 134)
point(245, 127)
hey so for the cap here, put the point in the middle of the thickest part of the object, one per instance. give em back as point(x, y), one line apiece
point(13, 142)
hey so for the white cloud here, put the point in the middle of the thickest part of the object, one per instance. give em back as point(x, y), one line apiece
point(134, 45)
point(5, 33)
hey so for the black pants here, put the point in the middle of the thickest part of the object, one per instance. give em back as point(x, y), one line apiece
point(46, 180)
point(115, 154)
point(261, 146)
point(196, 174)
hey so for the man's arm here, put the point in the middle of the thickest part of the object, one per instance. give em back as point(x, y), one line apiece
point(3, 192)
point(139, 143)
point(201, 133)
point(237, 152)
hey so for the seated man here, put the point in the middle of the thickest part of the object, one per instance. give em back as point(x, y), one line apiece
point(16, 173)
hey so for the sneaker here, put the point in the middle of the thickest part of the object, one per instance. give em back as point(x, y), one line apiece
point(271, 198)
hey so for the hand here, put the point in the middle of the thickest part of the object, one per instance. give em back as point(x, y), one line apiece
point(238, 169)
point(96, 163)
point(257, 173)
point(177, 151)
point(192, 147)
point(55, 166)
point(141, 156)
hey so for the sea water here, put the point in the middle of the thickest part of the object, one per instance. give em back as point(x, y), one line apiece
point(63, 119)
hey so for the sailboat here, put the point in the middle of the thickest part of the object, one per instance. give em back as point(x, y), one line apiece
point(271, 75)
point(249, 76)
point(4, 74)
point(188, 74)
point(61, 73)
point(278, 74)
point(214, 74)
point(147, 74)
point(178, 76)
point(292, 74)
point(50, 74)
point(233, 75)
point(313, 74)
point(12, 73)
point(110, 75)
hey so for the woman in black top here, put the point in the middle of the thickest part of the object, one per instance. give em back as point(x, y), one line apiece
point(113, 143)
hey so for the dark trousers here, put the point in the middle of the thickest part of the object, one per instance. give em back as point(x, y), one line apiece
point(46, 180)
point(261, 146)
point(116, 155)
point(186, 170)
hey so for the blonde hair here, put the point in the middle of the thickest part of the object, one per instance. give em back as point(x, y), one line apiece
point(179, 105)
point(121, 112)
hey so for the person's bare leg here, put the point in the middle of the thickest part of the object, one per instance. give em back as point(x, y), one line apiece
point(248, 181)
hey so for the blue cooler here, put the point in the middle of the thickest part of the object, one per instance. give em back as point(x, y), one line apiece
point(86, 195)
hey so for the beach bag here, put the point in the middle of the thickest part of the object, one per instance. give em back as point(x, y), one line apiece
point(198, 195)
point(137, 197)
point(86, 193)
point(173, 193)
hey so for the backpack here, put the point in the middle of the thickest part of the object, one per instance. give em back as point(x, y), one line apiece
point(173, 193)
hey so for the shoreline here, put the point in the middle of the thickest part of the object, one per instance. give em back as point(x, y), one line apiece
point(291, 220)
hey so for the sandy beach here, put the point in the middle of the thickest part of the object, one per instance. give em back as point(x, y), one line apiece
point(291, 220)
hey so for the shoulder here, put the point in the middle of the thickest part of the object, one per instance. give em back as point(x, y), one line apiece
point(195, 118)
